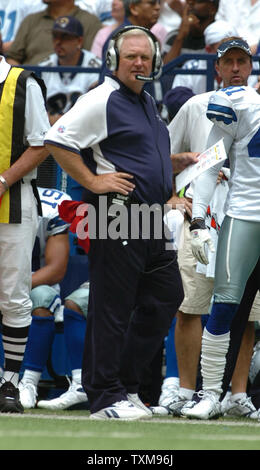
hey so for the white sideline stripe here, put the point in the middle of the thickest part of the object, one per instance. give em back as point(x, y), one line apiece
point(121, 435)
point(70, 434)
point(239, 423)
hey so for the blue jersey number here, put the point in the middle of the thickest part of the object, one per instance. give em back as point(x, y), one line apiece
point(11, 17)
point(232, 89)
point(50, 193)
point(254, 146)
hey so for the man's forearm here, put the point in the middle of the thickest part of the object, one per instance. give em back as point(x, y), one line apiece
point(203, 192)
point(73, 164)
point(29, 160)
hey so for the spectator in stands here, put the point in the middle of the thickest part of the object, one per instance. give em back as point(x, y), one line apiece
point(171, 14)
point(63, 89)
point(196, 17)
point(12, 12)
point(50, 260)
point(244, 15)
point(213, 34)
point(33, 41)
point(118, 13)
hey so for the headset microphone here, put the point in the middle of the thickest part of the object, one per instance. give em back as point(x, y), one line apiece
point(149, 79)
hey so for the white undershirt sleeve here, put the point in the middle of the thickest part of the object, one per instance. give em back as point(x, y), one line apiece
point(36, 117)
point(205, 184)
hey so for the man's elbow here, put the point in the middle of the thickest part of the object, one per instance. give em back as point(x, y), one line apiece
point(49, 147)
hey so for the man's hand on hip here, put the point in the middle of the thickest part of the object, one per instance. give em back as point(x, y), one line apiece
point(112, 182)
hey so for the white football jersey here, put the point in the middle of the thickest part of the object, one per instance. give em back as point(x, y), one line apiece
point(235, 112)
point(67, 87)
point(50, 222)
point(190, 128)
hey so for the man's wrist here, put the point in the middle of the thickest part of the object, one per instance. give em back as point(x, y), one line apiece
point(4, 183)
point(197, 223)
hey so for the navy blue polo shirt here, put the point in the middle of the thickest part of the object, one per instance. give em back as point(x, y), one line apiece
point(115, 129)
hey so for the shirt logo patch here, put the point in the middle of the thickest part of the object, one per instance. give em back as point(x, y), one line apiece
point(61, 129)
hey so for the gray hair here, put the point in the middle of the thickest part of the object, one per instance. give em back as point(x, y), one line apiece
point(135, 32)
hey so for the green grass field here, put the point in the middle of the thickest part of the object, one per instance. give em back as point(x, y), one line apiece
point(72, 430)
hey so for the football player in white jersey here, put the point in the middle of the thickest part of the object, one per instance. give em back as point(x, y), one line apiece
point(189, 130)
point(235, 113)
point(50, 260)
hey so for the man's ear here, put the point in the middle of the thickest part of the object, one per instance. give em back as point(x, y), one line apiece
point(80, 42)
point(134, 7)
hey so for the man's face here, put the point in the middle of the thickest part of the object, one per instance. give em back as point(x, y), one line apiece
point(66, 45)
point(146, 12)
point(135, 59)
point(201, 8)
point(234, 67)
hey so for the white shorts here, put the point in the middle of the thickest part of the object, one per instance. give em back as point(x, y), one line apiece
point(255, 310)
point(16, 245)
point(198, 288)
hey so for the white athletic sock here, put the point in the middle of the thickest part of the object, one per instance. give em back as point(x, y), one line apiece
point(238, 396)
point(213, 360)
point(76, 376)
point(186, 392)
point(31, 376)
point(171, 381)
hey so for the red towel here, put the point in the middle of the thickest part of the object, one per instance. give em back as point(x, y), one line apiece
point(67, 212)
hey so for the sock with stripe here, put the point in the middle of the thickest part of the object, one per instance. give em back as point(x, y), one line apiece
point(14, 343)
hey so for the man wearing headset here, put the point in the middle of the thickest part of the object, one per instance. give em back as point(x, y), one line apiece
point(114, 144)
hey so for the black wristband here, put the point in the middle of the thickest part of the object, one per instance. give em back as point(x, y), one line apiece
point(197, 224)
